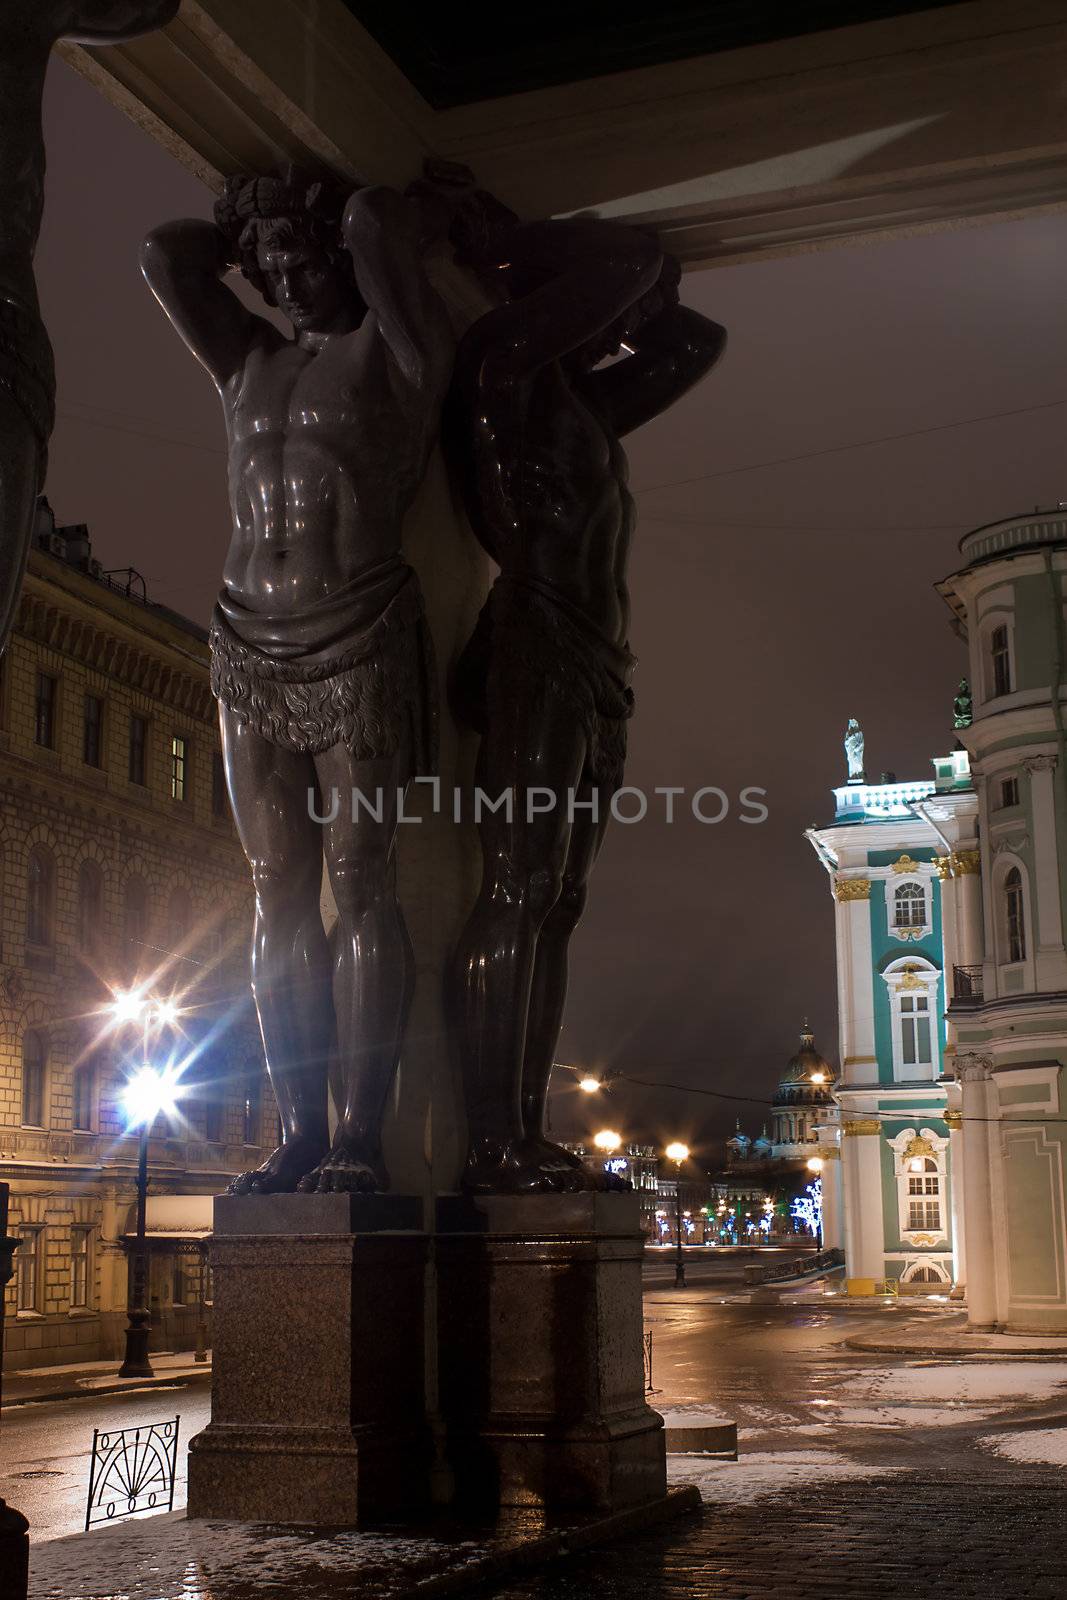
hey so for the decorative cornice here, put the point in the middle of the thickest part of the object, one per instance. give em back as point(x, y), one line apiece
point(852, 888)
point(855, 1126)
point(829, 1153)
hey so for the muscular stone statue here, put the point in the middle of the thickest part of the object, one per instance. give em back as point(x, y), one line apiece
point(28, 30)
point(320, 655)
point(534, 426)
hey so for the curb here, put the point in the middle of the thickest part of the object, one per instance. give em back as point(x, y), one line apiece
point(871, 1347)
point(121, 1386)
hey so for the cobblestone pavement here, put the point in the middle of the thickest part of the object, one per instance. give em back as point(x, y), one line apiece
point(999, 1536)
point(859, 1474)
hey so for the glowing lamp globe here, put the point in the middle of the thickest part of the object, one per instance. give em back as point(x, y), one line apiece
point(815, 1164)
point(607, 1140)
point(677, 1152)
point(127, 1005)
point(589, 1085)
point(149, 1094)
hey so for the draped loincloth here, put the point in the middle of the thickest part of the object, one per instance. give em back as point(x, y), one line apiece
point(532, 645)
point(27, 372)
point(356, 669)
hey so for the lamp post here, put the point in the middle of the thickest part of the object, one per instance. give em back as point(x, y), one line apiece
point(148, 1093)
point(678, 1152)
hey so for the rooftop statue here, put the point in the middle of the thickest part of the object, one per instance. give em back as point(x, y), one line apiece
point(320, 653)
point(28, 30)
point(854, 751)
point(963, 706)
point(535, 421)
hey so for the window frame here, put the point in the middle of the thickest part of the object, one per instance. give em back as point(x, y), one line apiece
point(40, 1068)
point(180, 777)
point(23, 1258)
point(1000, 662)
point(84, 1258)
point(934, 1156)
point(1013, 911)
point(84, 1074)
point(41, 900)
point(137, 751)
point(45, 707)
point(93, 753)
point(914, 977)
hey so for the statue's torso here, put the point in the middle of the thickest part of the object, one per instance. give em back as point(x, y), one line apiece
point(553, 489)
point(327, 450)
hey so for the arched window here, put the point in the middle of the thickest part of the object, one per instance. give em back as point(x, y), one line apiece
point(924, 1196)
point(135, 919)
point(1000, 658)
point(1015, 915)
point(925, 1275)
point(34, 1051)
point(90, 907)
point(909, 906)
point(40, 898)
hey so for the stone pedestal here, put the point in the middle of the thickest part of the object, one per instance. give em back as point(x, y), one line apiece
point(317, 1397)
point(541, 1371)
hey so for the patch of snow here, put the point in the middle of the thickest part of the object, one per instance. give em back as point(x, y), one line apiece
point(1048, 1445)
point(1008, 1381)
point(761, 1475)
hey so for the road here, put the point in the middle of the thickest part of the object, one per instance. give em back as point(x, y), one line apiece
point(46, 1449)
point(867, 1475)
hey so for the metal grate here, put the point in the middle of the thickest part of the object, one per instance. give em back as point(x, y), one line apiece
point(132, 1470)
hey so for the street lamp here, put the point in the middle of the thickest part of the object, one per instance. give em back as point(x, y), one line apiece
point(678, 1152)
point(148, 1093)
point(590, 1085)
point(607, 1140)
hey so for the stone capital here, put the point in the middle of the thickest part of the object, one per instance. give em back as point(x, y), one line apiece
point(971, 1068)
point(966, 861)
point(954, 1119)
point(855, 1126)
point(852, 888)
point(1040, 763)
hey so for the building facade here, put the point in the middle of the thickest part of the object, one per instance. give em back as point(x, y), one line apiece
point(902, 861)
point(1009, 1006)
point(119, 870)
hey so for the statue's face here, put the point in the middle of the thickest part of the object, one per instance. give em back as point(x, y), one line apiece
point(307, 288)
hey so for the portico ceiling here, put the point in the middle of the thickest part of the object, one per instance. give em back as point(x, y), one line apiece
point(737, 130)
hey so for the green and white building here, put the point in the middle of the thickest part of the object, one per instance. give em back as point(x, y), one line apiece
point(902, 862)
point(1010, 1014)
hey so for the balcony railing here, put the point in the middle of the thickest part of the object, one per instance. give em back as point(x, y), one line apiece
point(967, 985)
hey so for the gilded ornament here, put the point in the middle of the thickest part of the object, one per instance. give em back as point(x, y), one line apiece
point(852, 888)
point(966, 861)
point(905, 863)
point(954, 1119)
point(856, 1126)
point(909, 980)
point(918, 1146)
point(922, 1238)
point(943, 866)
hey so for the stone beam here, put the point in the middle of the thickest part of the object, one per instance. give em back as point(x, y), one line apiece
point(914, 123)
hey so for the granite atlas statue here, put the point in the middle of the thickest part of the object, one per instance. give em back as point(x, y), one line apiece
point(533, 429)
point(320, 653)
point(28, 30)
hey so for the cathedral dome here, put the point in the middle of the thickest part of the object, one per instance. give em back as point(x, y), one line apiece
point(808, 1067)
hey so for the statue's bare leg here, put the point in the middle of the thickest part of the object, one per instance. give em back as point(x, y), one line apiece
point(532, 743)
point(374, 966)
point(19, 467)
point(548, 991)
point(290, 962)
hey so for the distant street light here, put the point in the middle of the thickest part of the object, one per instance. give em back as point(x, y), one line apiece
point(678, 1152)
point(815, 1164)
point(590, 1085)
point(607, 1140)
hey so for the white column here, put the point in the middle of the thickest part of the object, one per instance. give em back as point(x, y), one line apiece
point(957, 1207)
point(967, 881)
point(864, 1229)
point(974, 1073)
point(855, 983)
point(1050, 962)
point(833, 1230)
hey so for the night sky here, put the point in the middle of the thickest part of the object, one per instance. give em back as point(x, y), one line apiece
point(794, 514)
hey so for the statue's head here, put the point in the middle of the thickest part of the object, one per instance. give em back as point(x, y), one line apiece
point(287, 239)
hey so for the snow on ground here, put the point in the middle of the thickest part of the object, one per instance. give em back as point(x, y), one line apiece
point(165, 1557)
point(762, 1474)
point(918, 1382)
point(1046, 1445)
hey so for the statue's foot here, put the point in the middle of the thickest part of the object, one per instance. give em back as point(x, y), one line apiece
point(348, 1169)
point(282, 1170)
point(531, 1166)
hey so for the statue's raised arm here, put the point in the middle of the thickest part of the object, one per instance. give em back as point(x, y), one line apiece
point(109, 21)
